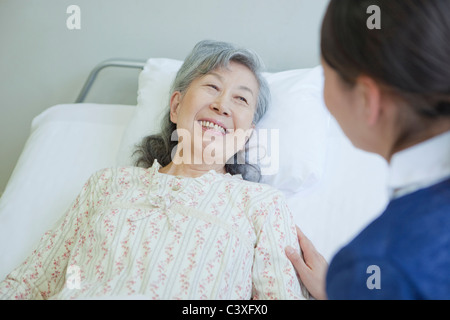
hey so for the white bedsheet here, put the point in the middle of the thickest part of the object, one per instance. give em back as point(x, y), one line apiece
point(351, 193)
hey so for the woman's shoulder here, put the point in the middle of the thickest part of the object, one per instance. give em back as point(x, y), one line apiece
point(257, 191)
point(120, 173)
point(239, 181)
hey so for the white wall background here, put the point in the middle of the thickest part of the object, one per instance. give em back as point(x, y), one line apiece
point(43, 63)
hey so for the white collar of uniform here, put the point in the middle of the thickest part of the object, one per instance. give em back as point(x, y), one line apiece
point(420, 166)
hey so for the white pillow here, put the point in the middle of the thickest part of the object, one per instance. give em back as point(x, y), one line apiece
point(297, 115)
point(155, 81)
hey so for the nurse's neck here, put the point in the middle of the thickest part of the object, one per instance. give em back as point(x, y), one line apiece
point(412, 137)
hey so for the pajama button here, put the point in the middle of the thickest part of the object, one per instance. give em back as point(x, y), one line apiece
point(176, 187)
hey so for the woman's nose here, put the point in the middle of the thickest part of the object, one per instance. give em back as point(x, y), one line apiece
point(219, 107)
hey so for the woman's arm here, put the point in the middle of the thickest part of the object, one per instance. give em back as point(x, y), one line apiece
point(43, 272)
point(274, 277)
point(310, 265)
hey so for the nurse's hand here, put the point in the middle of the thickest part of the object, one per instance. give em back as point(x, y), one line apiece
point(312, 267)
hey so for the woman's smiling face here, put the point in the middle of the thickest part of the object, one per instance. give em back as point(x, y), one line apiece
point(215, 107)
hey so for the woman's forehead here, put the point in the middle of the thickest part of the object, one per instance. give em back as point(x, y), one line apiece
point(240, 73)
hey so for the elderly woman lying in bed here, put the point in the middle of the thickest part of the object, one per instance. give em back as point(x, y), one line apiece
point(187, 223)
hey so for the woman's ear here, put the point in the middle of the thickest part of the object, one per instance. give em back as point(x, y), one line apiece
point(372, 99)
point(175, 101)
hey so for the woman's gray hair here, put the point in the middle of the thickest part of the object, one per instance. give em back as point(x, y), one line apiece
point(207, 56)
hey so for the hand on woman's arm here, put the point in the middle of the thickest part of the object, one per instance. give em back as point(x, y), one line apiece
point(311, 267)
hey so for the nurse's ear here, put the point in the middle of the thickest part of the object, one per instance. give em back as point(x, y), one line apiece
point(175, 101)
point(371, 91)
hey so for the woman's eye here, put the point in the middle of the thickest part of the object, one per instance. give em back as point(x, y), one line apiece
point(213, 86)
point(243, 99)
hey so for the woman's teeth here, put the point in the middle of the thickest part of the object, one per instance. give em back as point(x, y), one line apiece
point(213, 126)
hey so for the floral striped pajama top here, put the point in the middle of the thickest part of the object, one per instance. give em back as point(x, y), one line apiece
point(138, 232)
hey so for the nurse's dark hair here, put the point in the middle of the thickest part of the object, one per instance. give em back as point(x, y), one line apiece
point(409, 55)
point(207, 56)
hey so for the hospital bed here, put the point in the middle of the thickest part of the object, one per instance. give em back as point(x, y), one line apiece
point(333, 189)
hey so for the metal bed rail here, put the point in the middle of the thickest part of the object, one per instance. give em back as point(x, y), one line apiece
point(122, 63)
